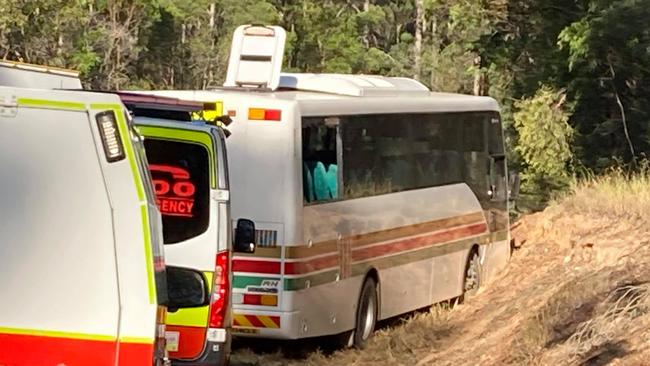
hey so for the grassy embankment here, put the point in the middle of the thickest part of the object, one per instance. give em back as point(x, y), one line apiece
point(577, 292)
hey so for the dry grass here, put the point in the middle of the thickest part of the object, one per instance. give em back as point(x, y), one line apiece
point(618, 193)
point(576, 293)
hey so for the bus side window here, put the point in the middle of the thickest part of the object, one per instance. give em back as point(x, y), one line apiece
point(320, 169)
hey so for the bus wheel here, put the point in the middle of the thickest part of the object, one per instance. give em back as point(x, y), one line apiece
point(366, 314)
point(472, 280)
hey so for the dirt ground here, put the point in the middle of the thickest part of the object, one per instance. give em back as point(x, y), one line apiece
point(576, 292)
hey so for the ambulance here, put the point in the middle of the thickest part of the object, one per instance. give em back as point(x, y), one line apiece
point(84, 280)
point(188, 164)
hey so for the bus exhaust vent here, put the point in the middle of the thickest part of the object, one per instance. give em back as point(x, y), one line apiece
point(266, 238)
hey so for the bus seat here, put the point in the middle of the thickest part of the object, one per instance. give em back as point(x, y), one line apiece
point(332, 180)
point(307, 183)
point(321, 191)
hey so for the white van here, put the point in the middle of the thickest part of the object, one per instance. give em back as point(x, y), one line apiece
point(81, 259)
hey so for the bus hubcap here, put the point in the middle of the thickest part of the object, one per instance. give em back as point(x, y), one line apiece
point(369, 318)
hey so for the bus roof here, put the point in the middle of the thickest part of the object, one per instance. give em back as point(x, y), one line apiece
point(316, 104)
point(352, 85)
point(363, 94)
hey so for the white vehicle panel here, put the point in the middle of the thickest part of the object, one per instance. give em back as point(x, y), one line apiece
point(54, 253)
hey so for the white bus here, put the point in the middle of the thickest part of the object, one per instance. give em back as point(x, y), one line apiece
point(372, 197)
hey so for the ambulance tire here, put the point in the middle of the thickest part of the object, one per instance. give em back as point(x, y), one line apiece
point(367, 312)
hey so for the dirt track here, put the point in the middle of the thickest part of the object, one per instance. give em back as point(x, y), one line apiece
point(576, 293)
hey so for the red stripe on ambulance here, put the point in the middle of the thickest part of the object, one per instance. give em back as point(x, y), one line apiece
point(28, 350)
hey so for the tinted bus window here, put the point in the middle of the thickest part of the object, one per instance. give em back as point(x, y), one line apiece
point(386, 153)
point(180, 173)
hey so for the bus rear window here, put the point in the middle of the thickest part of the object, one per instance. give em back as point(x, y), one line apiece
point(180, 173)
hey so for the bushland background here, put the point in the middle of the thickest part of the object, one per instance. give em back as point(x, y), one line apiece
point(572, 76)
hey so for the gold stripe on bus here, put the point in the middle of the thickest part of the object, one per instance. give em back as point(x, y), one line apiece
point(358, 240)
point(268, 323)
point(360, 268)
point(261, 252)
point(242, 321)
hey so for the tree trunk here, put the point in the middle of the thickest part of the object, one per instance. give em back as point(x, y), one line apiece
point(621, 108)
point(479, 77)
point(366, 30)
point(417, 50)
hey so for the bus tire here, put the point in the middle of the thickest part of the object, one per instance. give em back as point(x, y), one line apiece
point(367, 312)
point(472, 276)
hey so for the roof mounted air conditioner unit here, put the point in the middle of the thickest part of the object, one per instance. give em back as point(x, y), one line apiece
point(256, 57)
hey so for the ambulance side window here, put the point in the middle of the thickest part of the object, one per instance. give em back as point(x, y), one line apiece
point(180, 173)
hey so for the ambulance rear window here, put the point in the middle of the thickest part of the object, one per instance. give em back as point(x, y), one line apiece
point(180, 173)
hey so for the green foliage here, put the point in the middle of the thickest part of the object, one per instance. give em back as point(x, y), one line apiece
point(597, 52)
point(544, 141)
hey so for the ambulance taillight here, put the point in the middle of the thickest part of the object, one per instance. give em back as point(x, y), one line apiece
point(108, 130)
point(219, 303)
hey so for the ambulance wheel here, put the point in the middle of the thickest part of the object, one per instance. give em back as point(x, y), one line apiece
point(366, 314)
point(472, 279)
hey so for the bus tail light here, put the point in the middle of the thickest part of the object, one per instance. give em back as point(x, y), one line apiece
point(221, 286)
point(107, 124)
point(259, 114)
point(263, 300)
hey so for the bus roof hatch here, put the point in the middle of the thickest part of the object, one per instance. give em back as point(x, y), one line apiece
point(256, 57)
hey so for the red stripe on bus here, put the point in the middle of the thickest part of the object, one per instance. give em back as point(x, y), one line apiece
point(275, 320)
point(242, 265)
point(255, 321)
point(28, 350)
point(418, 242)
point(312, 265)
point(359, 254)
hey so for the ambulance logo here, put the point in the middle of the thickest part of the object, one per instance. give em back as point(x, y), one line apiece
point(174, 191)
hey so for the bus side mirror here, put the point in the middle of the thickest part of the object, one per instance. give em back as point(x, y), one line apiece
point(186, 288)
point(244, 236)
point(514, 182)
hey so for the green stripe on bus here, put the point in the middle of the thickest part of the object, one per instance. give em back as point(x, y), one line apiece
point(301, 283)
point(400, 259)
point(128, 148)
point(245, 281)
point(181, 135)
point(53, 104)
point(359, 269)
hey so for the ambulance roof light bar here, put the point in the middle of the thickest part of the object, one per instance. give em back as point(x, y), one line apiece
point(142, 101)
point(152, 106)
point(256, 57)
